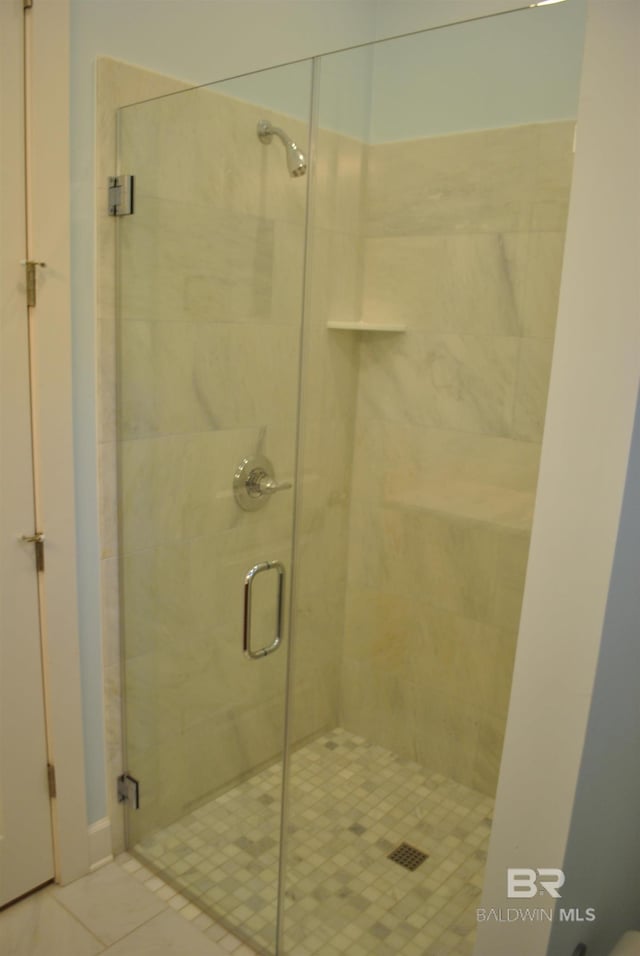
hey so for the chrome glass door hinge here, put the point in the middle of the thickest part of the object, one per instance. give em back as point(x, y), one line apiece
point(51, 779)
point(31, 267)
point(129, 790)
point(38, 540)
point(120, 195)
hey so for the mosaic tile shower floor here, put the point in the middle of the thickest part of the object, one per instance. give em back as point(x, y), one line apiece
point(352, 803)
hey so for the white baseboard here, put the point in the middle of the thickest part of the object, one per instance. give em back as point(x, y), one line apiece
point(100, 849)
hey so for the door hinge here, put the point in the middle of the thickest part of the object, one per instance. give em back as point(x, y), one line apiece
point(27, 4)
point(31, 267)
point(38, 540)
point(51, 777)
point(120, 195)
point(129, 790)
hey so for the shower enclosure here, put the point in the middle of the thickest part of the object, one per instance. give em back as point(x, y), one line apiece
point(333, 362)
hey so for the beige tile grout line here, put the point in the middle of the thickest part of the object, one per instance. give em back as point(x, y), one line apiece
point(77, 919)
point(180, 904)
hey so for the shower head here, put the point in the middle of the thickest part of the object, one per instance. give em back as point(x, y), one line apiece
point(296, 160)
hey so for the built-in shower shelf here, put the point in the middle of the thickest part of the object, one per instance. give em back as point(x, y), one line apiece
point(503, 507)
point(367, 326)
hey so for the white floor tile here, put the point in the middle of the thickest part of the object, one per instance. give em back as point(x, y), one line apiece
point(39, 926)
point(109, 902)
point(166, 935)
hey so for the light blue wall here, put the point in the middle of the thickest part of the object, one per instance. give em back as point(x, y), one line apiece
point(521, 67)
point(345, 83)
point(518, 67)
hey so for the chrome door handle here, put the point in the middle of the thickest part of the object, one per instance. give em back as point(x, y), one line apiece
point(246, 630)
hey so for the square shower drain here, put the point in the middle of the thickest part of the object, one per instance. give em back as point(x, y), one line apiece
point(408, 856)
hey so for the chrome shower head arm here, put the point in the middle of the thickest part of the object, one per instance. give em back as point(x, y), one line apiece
point(296, 160)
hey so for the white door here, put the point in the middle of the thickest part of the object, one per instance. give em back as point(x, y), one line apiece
point(26, 852)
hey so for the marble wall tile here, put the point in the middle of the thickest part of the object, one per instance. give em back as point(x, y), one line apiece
point(110, 612)
point(451, 283)
point(178, 709)
point(511, 569)
point(407, 456)
point(335, 277)
point(116, 83)
point(179, 377)
point(463, 242)
point(381, 626)
point(450, 560)
point(106, 375)
point(194, 261)
point(114, 753)
point(339, 183)
point(379, 707)
point(446, 733)
point(536, 265)
point(119, 83)
point(223, 242)
point(442, 620)
point(326, 459)
point(180, 487)
point(462, 382)
point(488, 754)
point(445, 652)
point(459, 235)
point(115, 761)
point(156, 597)
point(549, 215)
point(482, 182)
point(211, 756)
point(554, 160)
point(315, 704)
point(225, 161)
point(107, 465)
point(534, 370)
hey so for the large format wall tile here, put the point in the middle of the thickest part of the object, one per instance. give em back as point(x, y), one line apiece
point(182, 377)
point(534, 370)
point(473, 182)
point(195, 261)
point(463, 244)
point(210, 300)
point(464, 382)
point(181, 486)
point(413, 513)
point(202, 146)
point(450, 283)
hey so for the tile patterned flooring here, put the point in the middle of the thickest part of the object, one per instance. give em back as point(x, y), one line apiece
point(121, 909)
point(351, 804)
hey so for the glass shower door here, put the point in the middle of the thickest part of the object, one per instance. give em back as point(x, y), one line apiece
point(210, 277)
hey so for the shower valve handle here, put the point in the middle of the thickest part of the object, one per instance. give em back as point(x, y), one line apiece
point(254, 483)
point(266, 485)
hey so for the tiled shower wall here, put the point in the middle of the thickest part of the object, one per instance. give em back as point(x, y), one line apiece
point(459, 237)
point(463, 242)
point(210, 302)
